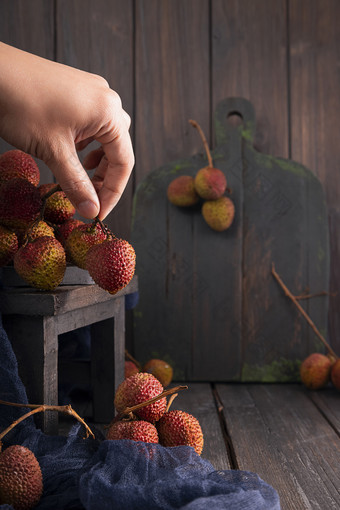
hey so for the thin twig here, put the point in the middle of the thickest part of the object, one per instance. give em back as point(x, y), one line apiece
point(204, 140)
point(302, 311)
point(317, 294)
point(131, 358)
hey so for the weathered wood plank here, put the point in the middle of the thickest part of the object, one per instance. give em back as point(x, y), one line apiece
point(98, 37)
point(327, 402)
point(278, 433)
point(314, 109)
point(249, 59)
point(198, 400)
point(27, 301)
point(29, 26)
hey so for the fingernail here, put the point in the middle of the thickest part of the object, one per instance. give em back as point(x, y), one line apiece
point(88, 209)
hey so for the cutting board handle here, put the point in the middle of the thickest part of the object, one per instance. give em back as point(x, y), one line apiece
point(231, 107)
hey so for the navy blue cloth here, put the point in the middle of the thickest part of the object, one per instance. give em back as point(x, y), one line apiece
point(101, 475)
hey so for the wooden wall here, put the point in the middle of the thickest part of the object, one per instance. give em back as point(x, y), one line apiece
point(171, 60)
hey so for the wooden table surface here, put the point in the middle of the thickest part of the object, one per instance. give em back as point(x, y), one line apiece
point(286, 434)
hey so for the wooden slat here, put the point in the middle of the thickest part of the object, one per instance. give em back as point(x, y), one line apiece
point(328, 403)
point(249, 60)
point(315, 123)
point(29, 26)
point(98, 37)
point(278, 433)
point(198, 400)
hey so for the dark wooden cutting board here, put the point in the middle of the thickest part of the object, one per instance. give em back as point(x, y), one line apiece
point(208, 301)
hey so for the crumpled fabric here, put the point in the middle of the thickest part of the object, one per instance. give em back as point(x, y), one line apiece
point(100, 474)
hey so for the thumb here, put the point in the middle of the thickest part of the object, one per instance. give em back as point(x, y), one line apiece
point(75, 182)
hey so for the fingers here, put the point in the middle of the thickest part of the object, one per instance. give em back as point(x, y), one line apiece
point(75, 182)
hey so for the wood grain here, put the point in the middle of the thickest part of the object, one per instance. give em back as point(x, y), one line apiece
point(278, 433)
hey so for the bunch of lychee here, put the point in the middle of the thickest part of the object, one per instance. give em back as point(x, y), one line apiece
point(318, 370)
point(144, 415)
point(39, 234)
point(209, 185)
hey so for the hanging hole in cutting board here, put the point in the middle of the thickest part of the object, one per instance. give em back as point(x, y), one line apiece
point(235, 119)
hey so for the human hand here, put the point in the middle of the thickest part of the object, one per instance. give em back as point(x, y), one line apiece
point(51, 110)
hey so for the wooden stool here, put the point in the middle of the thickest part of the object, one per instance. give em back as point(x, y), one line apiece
point(33, 320)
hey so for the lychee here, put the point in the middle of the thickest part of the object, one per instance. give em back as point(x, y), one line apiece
point(315, 371)
point(80, 240)
point(39, 229)
point(21, 483)
point(8, 245)
point(63, 231)
point(177, 428)
point(58, 208)
point(136, 430)
point(219, 214)
point(210, 183)
point(130, 369)
point(41, 263)
point(160, 369)
point(137, 389)
point(181, 191)
point(111, 263)
point(20, 203)
point(17, 164)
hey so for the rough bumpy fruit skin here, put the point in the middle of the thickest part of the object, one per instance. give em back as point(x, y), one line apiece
point(20, 203)
point(210, 183)
point(111, 264)
point(41, 263)
point(219, 214)
point(17, 164)
point(80, 241)
point(39, 229)
point(335, 374)
point(64, 230)
point(177, 428)
point(181, 191)
point(315, 371)
point(130, 369)
point(160, 369)
point(8, 245)
point(21, 483)
point(58, 207)
point(134, 430)
point(137, 389)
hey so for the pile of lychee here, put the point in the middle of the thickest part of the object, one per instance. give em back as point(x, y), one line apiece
point(209, 186)
point(40, 236)
point(318, 370)
point(144, 415)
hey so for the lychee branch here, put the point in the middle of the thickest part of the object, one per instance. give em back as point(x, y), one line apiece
point(302, 311)
point(37, 408)
point(204, 140)
point(131, 358)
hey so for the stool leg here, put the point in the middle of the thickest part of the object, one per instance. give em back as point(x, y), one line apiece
point(35, 344)
point(107, 361)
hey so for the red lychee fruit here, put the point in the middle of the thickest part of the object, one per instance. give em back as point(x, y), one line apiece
point(80, 240)
point(181, 191)
point(335, 374)
point(219, 214)
point(210, 183)
point(58, 207)
point(137, 389)
point(315, 371)
point(134, 430)
point(130, 369)
point(20, 203)
point(21, 483)
point(111, 264)
point(177, 428)
point(160, 369)
point(64, 230)
point(17, 164)
point(39, 229)
point(8, 245)
point(41, 263)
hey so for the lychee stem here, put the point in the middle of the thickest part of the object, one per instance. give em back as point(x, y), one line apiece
point(302, 311)
point(104, 228)
point(37, 408)
point(131, 358)
point(204, 140)
point(129, 410)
